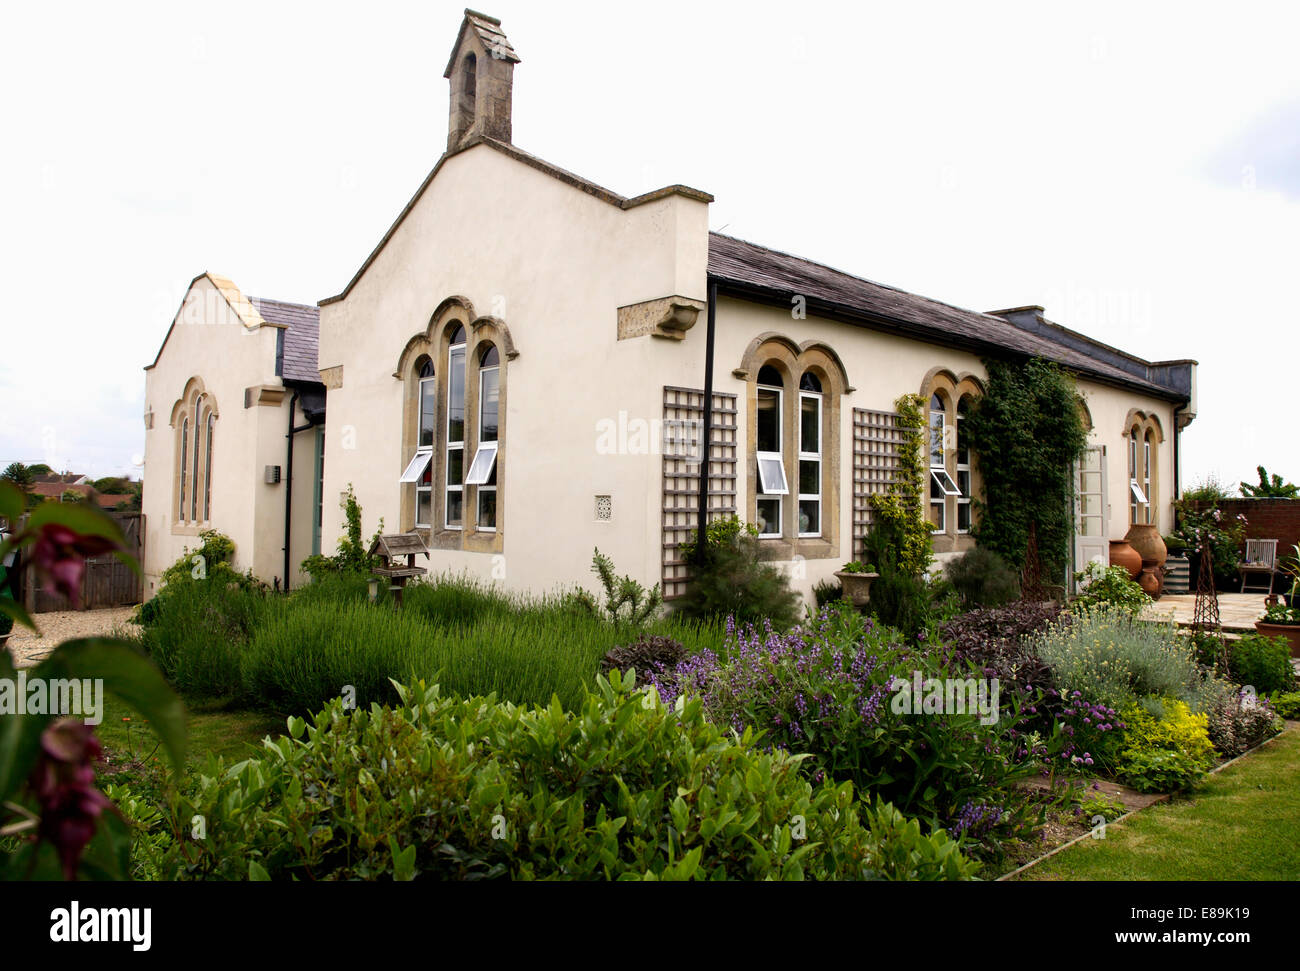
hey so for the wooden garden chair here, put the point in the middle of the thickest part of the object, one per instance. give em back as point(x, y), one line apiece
point(1261, 557)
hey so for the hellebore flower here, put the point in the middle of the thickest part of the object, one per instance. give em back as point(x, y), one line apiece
point(63, 782)
point(60, 555)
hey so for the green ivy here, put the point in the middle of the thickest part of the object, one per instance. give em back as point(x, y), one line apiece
point(902, 509)
point(1029, 429)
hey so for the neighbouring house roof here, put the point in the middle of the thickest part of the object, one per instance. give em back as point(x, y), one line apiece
point(66, 477)
point(299, 327)
point(298, 360)
point(756, 272)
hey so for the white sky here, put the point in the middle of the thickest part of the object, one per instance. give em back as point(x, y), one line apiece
point(1133, 168)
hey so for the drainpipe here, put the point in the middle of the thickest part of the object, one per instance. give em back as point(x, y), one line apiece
point(288, 486)
point(1178, 469)
point(700, 549)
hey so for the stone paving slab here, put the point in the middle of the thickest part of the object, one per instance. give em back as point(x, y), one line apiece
point(1237, 611)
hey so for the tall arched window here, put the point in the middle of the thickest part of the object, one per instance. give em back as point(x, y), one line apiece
point(455, 487)
point(207, 471)
point(772, 483)
point(1139, 501)
point(941, 482)
point(420, 469)
point(483, 470)
point(194, 488)
point(964, 477)
point(185, 444)
point(810, 455)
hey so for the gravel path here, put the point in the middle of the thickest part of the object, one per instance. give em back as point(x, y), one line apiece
point(60, 625)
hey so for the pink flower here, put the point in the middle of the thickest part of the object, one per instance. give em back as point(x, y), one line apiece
point(63, 782)
point(60, 555)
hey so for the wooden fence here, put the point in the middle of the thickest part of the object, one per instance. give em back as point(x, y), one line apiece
point(107, 581)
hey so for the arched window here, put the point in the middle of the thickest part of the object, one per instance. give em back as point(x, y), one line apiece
point(810, 455)
point(471, 84)
point(483, 470)
point(455, 488)
point(964, 480)
point(185, 440)
point(954, 467)
point(420, 469)
point(772, 483)
point(194, 488)
point(207, 471)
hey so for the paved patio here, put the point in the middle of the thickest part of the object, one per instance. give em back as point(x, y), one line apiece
point(1237, 611)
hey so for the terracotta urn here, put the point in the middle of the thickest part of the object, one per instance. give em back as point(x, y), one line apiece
point(1289, 631)
point(1122, 554)
point(1150, 582)
point(1150, 545)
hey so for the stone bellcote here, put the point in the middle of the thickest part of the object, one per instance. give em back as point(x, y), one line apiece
point(481, 72)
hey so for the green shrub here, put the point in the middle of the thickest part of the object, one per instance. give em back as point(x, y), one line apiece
point(1238, 720)
point(626, 788)
point(1167, 747)
point(1286, 704)
point(1111, 586)
point(1263, 662)
point(734, 581)
point(1114, 659)
point(198, 633)
point(900, 598)
point(982, 579)
point(826, 592)
point(627, 602)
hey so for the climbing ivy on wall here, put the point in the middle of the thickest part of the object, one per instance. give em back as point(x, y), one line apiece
point(902, 509)
point(1026, 431)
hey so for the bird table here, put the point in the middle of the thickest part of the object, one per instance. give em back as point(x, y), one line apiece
point(389, 549)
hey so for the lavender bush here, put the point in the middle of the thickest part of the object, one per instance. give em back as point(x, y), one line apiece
point(824, 689)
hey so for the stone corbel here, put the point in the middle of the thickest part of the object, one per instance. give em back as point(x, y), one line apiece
point(669, 317)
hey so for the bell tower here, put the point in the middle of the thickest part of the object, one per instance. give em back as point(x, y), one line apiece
point(481, 72)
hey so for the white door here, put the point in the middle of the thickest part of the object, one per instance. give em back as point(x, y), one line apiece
point(1091, 517)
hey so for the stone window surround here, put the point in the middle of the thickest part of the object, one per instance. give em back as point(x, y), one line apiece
point(951, 389)
point(791, 360)
point(1148, 429)
point(196, 405)
point(433, 343)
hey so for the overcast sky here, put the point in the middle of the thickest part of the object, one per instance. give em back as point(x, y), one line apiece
point(1134, 168)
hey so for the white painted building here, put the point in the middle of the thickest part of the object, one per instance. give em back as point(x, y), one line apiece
point(512, 370)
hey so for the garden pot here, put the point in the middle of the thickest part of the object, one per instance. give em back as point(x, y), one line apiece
point(856, 586)
point(1122, 554)
point(1149, 581)
point(1290, 631)
point(1148, 542)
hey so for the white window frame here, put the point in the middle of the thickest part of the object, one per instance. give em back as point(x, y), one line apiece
point(806, 456)
point(459, 445)
point(950, 488)
point(415, 468)
point(207, 470)
point(1139, 497)
point(487, 451)
point(185, 437)
point(492, 447)
point(963, 498)
point(766, 489)
point(1146, 473)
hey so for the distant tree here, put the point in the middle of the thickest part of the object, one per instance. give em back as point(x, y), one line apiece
point(40, 468)
point(20, 475)
point(72, 495)
point(1270, 487)
point(113, 485)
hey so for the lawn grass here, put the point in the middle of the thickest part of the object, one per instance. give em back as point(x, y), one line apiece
point(1241, 825)
point(211, 729)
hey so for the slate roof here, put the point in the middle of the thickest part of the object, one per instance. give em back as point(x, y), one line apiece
point(747, 269)
point(301, 336)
